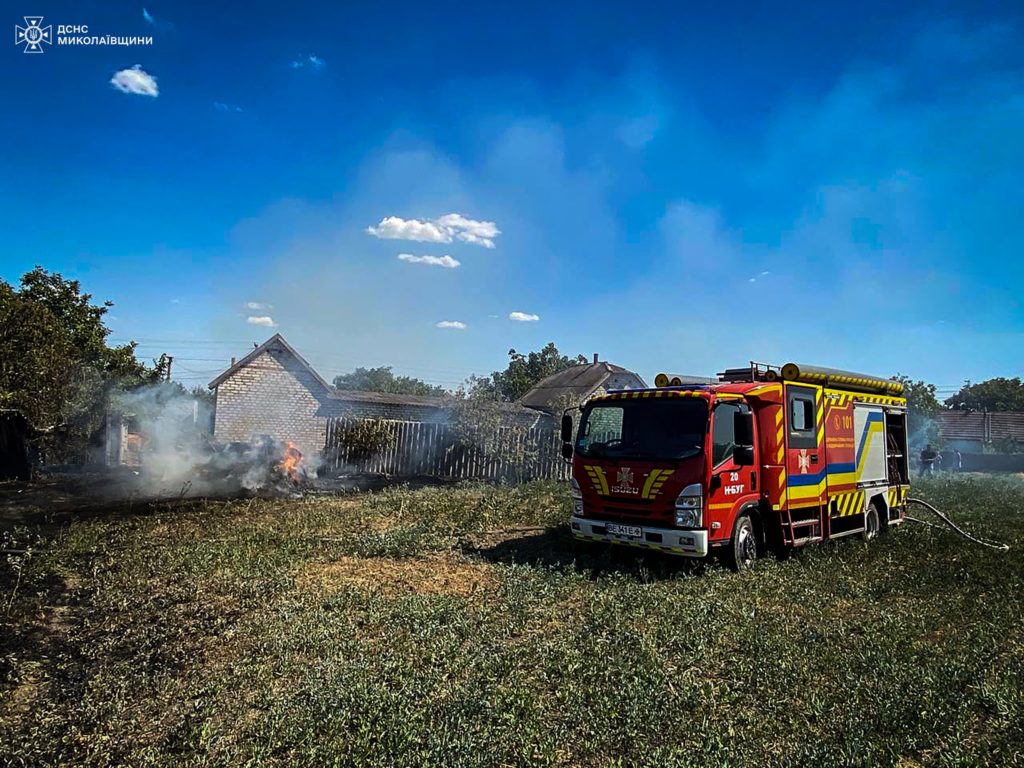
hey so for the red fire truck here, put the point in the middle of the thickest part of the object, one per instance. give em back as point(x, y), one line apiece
point(766, 458)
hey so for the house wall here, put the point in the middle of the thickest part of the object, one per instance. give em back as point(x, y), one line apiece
point(272, 395)
point(624, 380)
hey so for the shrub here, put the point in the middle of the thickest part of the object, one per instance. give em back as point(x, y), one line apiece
point(367, 437)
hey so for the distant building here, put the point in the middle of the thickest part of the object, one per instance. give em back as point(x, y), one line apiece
point(967, 431)
point(581, 382)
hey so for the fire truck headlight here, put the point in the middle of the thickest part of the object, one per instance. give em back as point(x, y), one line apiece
point(577, 497)
point(690, 507)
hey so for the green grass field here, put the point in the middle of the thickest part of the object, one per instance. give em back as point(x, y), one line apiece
point(412, 628)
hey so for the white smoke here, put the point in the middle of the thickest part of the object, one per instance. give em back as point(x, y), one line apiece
point(173, 449)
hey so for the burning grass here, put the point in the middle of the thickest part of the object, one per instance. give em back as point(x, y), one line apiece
point(459, 626)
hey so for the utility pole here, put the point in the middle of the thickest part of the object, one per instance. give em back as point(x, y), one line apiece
point(170, 360)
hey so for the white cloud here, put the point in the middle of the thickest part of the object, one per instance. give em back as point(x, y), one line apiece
point(394, 228)
point(135, 80)
point(220, 106)
point(264, 320)
point(310, 61)
point(434, 261)
point(451, 226)
point(457, 324)
point(258, 305)
point(523, 317)
point(470, 230)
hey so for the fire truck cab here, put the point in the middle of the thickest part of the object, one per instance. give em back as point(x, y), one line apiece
point(767, 458)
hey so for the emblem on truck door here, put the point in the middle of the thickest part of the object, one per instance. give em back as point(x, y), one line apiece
point(805, 462)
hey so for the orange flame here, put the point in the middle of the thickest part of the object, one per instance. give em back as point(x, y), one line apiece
point(290, 463)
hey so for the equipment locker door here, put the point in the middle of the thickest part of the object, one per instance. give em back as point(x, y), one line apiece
point(805, 446)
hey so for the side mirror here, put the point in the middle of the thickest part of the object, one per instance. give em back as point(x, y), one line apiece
point(743, 455)
point(566, 450)
point(566, 428)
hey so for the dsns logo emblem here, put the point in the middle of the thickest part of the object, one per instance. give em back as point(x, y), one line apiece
point(625, 482)
point(34, 35)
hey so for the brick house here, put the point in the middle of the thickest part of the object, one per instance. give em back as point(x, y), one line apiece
point(274, 391)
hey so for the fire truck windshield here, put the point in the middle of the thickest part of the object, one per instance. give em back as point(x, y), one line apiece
point(646, 428)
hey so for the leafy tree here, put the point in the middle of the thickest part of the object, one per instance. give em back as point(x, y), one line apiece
point(920, 396)
point(922, 408)
point(366, 438)
point(55, 364)
point(383, 380)
point(82, 325)
point(524, 371)
point(999, 394)
point(203, 394)
point(492, 434)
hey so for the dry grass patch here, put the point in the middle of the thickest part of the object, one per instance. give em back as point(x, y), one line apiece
point(443, 574)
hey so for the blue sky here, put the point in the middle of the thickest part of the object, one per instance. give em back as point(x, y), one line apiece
point(675, 186)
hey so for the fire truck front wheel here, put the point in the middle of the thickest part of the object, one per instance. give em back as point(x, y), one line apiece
point(742, 550)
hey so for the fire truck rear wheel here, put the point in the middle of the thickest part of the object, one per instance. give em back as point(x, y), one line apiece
point(742, 549)
point(872, 526)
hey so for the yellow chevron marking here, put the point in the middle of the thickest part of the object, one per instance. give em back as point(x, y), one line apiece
point(651, 477)
point(656, 486)
point(655, 480)
point(598, 479)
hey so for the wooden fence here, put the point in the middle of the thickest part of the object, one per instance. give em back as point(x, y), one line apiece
point(433, 450)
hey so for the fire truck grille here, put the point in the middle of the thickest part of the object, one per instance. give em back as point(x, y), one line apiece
point(638, 510)
point(641, 503)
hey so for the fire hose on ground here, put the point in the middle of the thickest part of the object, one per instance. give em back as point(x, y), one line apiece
point(990, 544)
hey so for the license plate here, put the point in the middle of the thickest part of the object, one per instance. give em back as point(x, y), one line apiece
point(632, 531)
